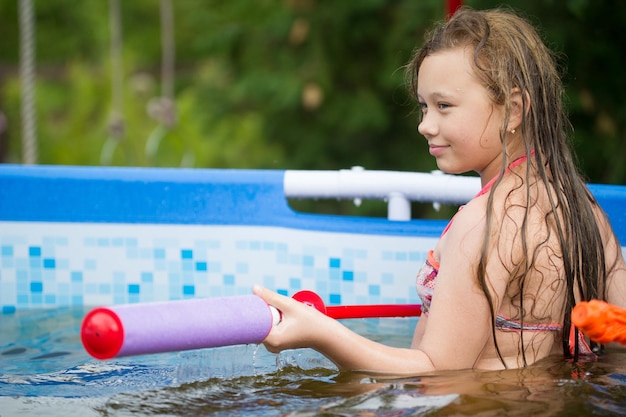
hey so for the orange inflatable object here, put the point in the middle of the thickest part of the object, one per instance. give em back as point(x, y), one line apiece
point(600, 321)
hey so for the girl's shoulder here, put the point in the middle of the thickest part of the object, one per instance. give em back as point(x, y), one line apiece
point(469, 220)
point(500, 213)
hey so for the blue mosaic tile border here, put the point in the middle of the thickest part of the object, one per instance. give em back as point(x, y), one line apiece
point(60, 264)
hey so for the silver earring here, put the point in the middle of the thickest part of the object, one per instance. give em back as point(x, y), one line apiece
point(512, 131)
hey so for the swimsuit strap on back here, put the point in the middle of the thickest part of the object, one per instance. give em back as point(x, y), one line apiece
point(506, 324)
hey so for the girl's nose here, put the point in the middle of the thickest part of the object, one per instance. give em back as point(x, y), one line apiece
point(427, 127)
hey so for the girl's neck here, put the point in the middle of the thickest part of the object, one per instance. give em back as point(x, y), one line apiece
point(516, 162)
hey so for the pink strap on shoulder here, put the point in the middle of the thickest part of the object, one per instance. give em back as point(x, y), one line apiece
point(488, 186)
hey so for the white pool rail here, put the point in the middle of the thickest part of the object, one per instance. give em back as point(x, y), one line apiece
point(399, 189)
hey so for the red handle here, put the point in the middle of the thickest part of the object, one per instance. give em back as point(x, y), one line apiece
point(358, 311)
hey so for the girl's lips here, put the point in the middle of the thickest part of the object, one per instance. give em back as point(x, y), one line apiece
point(435, 150)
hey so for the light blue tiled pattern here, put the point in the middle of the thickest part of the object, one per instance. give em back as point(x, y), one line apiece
point(51, 264)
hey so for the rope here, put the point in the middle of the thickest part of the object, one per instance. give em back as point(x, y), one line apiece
point(167, 61)
point(116, 121)
point(162, 109)
point(27, 75)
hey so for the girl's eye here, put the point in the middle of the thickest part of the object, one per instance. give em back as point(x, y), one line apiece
point(443, 106)
point(423, 106)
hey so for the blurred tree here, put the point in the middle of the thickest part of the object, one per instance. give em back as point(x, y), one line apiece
point(298, 84)
point(325, 76)
point(587, 36)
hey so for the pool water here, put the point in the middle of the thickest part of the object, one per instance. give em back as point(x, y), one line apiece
point(44, 369)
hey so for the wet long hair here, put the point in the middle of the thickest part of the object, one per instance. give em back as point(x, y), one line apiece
point(509, 53)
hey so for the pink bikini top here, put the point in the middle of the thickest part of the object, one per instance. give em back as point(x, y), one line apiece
point(426, 277)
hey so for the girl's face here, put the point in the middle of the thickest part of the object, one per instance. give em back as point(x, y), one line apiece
point(460, 122)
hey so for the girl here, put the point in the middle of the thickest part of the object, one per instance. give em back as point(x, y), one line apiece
point(498, 288)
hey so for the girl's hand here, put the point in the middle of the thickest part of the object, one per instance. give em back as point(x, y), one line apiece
point(301, 326)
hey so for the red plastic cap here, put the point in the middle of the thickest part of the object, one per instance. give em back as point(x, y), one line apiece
point(102, 333)
point(311, 299)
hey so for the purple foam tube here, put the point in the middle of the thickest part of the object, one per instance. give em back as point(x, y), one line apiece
point(135, 329)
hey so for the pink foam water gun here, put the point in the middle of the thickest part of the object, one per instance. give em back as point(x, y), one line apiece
point(170, 326)
point(600, 321)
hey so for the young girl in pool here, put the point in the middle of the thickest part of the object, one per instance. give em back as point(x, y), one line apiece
point(499, 287)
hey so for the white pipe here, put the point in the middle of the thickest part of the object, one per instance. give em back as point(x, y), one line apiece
point(378, 185)
point(398, 188)
point(398, 207)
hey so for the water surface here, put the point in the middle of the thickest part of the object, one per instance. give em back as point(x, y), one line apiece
point(44, 369)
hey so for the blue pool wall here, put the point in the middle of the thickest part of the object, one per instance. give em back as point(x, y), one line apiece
point(92, 236)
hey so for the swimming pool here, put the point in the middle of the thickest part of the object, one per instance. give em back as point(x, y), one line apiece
point(73, 238)
point(45, 370)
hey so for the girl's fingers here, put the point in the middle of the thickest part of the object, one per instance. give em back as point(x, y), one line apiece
point(270, 297)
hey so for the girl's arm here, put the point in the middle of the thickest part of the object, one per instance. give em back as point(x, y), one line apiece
point(458, 323)
point(616, 280)
point(422, 323)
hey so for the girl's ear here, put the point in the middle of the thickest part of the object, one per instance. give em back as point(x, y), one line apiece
point(520, 104)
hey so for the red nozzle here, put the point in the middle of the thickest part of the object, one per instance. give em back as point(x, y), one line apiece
point(102, 333)
point(311, 299)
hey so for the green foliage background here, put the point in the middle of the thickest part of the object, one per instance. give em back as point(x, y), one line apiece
point(285, 84)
